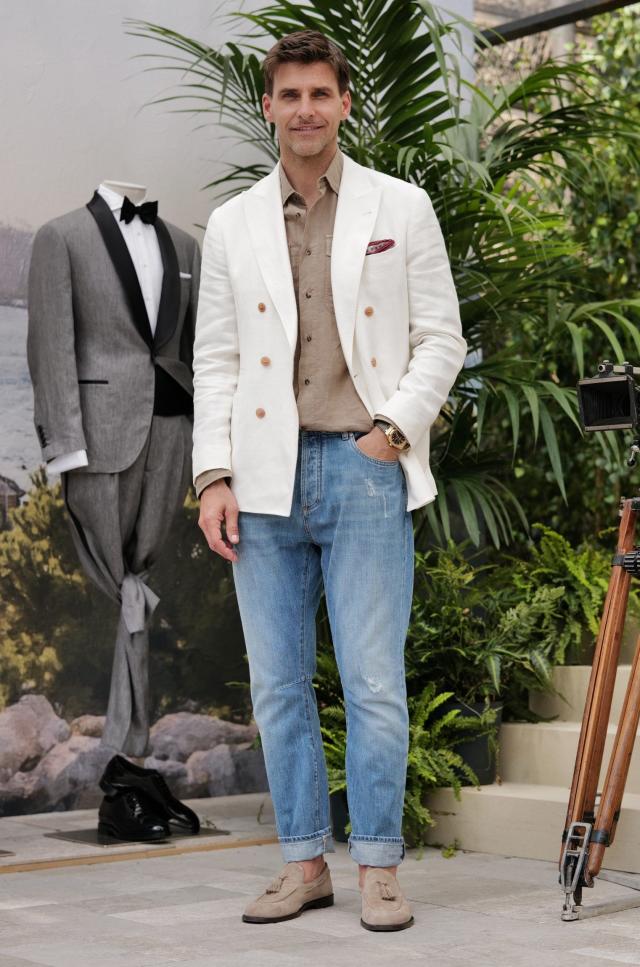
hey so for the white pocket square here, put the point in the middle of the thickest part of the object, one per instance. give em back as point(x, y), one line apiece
point(185, 275)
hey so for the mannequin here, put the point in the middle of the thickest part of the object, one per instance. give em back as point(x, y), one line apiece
point(137, 194)
point(112, 309)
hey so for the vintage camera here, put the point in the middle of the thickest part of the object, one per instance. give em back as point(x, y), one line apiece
point(609, 401)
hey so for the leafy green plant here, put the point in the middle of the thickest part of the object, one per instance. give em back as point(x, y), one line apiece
point(475, 634)
point(605, 215)
point(487, 160)
point(496, 629)
point(582, 574)
point(432, 759)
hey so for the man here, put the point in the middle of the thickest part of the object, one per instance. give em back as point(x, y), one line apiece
point(326, 304)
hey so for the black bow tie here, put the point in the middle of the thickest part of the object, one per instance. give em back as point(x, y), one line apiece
point(148, 211)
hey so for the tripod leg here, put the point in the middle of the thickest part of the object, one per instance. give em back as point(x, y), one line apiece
point(601, 683)
point(613, 789)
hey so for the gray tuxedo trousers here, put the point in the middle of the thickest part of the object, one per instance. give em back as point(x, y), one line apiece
point(119, 522)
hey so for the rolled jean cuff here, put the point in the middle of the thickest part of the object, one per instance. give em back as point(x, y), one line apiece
point(377, 851)
point(307, 847)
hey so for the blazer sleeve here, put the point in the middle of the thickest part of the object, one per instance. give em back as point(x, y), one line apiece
point(51, 353)
point(438, 349)
point(216, 357)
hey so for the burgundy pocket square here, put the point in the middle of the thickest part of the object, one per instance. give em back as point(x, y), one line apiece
point(381, 245)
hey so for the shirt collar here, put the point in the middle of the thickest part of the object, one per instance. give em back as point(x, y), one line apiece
point(333, 176)
point(113, 198)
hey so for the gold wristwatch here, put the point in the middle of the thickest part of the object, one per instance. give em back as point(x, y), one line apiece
point(395, 437)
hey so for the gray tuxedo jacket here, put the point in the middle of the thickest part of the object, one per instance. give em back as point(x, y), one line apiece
point(98, 372)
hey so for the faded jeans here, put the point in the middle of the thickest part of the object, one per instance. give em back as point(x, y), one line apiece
point(349, 530)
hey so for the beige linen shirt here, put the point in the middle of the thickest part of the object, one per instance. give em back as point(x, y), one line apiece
point(325, 394)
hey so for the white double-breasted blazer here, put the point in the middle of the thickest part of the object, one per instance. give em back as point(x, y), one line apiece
point(397, 316)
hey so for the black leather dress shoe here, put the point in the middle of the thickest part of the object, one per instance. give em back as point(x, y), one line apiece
point(122, 774)
point(129, 815)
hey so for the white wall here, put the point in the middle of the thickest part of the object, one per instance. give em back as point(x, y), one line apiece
point(71, 107)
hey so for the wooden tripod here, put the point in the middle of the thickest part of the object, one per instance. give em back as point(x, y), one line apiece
point(589, 830)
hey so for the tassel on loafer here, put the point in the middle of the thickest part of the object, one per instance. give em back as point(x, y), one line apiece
point(384, 906)
point(121, 774)
point(287, 896)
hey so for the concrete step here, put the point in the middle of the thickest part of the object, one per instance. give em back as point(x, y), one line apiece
point(524, 820)
point(572, 681)
point(544, 754)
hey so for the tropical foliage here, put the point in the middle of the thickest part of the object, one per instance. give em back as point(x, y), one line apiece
point(494, 629)
point(605, 213)
point(494, 164)
point(600, 217)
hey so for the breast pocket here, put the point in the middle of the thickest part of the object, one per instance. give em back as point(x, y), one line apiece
point(384, 273)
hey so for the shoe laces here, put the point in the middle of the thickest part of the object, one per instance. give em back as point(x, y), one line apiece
point(136, 806)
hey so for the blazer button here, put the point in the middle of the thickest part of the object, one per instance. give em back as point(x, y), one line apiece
point(374, 361)
point(368, 311)
point(260, 412)
point(265, 360)
point(261, 307)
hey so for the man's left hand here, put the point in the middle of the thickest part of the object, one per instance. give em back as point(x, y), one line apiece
point(374, 444)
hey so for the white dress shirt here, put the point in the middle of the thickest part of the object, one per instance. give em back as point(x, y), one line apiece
point(142, 242)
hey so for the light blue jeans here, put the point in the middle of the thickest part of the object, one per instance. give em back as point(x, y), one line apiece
point(349, 530)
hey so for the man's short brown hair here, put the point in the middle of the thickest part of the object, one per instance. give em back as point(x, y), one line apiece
point(305, 47)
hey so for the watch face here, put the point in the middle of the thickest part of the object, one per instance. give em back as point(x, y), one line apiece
point(397, 439)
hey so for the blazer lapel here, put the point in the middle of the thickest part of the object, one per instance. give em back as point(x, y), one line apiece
point(265, 222)
point(356, 213)
point(119, 254)
point(170, 295)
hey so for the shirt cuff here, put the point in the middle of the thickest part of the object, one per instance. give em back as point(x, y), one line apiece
point(208, 477)
point(68, 461)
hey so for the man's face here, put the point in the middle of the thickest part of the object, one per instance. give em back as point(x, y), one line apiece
point(306, 107)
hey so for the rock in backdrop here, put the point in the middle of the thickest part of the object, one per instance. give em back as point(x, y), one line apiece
point(47, 764)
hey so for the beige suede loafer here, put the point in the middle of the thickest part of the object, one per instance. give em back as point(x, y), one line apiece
point(384, 906)
point(288, 895)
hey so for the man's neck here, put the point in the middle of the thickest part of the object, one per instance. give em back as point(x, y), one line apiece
point(303, 173)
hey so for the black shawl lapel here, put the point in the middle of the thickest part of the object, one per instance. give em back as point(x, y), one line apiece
point(119, 253)
point(170, 295)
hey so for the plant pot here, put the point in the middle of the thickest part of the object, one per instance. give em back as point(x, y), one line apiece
point(477, 752)
point(339, 815)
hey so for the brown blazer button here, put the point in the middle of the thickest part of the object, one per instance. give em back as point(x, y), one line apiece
point(265, 360)
point(374, 361)
point(368, 311)
point(260, 412)
point(261, 307)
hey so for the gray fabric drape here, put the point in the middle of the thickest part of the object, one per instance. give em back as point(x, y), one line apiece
point(119, 522)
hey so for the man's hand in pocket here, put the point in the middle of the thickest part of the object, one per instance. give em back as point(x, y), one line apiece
point(374, 444)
